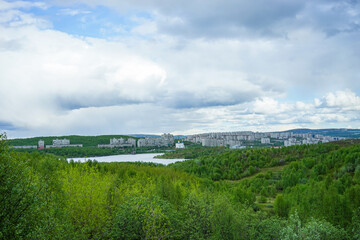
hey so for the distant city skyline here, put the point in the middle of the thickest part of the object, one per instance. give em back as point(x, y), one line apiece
point(91, 67)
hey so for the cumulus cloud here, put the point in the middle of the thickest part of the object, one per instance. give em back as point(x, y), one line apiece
point(180, 66)
point(334, 108)
point(53, 70)
point(270, 106)
point(49, 76)
point(268, 114)
point(346, 100)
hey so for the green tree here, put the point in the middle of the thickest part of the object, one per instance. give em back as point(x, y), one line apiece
point(20, 197)
point(355, 225)
point(197, 211)
point(146, 218)
point(85, 191)
point(281, 206)
point(313, 230)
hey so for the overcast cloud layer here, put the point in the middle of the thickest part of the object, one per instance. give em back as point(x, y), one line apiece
point(108, 67)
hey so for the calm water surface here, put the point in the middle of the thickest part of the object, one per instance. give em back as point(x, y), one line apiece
point(146, 157)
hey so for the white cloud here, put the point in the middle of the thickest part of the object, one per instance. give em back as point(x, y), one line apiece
point(301, 106)
point(51, 72)
point(346, 100)
point(270, 106)
point(72, 12)
point(231, 74)
point(317, 102)
point(144, 27)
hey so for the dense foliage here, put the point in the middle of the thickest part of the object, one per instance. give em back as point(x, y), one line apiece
point(193, 152)
point(313, 194)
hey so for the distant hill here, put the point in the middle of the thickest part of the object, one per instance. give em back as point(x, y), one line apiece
point(152, 135)
point(334, 132)
point(143, 135)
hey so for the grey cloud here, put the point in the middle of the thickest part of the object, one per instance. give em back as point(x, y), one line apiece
point(7, 126)
point(228, 18)
point(9, 45)
point(209, 97)
point(240, 18)
point(196, 84)
point(102, 100)
point(353, 27)
point(332, 17)
point(263, 19)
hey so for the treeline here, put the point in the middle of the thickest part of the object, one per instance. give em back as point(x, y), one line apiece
point(44, 197)
point(194, 151)
point(87, 141)
point(78, 152)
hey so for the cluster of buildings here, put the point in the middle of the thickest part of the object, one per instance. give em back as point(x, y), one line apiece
point(234, 140)
point(237, 139)
point(57, 143)
point(230, 139)
point(265, 140)
point(121, 142)
point(306, 139)
point(164, 140)
point(215, 142)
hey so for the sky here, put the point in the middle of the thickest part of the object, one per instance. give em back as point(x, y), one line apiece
point(92, 67)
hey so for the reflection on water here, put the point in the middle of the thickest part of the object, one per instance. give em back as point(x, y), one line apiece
point(147, 157)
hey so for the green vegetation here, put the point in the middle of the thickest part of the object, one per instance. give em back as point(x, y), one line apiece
point(300, 192)
point(222, 163)
point(194, 152)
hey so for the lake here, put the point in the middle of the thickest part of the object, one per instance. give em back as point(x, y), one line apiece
point(146, 157)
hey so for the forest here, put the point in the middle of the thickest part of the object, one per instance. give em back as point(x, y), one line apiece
point(298, 192)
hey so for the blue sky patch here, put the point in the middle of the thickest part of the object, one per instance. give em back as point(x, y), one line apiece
point(82, 20)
